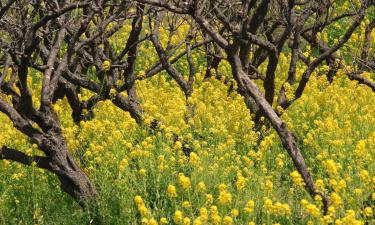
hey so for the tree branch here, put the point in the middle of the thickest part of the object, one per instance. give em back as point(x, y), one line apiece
point(362, 80)
point(17, 156)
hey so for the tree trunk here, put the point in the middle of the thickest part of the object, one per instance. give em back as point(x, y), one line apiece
point(73, 180)
point(287, 138)
point(129, 105)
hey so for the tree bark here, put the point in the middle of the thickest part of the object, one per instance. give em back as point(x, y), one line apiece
point(73, 180)
point(288, 139)
point(59, 161)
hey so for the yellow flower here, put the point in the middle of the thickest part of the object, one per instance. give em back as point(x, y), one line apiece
point(234, 212)
point(178, 217)
point(213, 210)
point(341, 185)
point(318, 198)
point(142, 172)
point(163, 220)
point(144, 221)
point(313, 210)
point(320, 184)
point(318, 36)
point(142, 74)
point(152, 222)
point(106, 65)
point(364, 175)
point(225, 197)
point(112, 92)
point(331, 211)
point(304, 202)
point(143, 210)
point(331, 167)
point(250, 206)
point(29, 152)
point(222, 187)
point(297, 179)
point(186, 204)
point(186, 221)
point(209, 199)
point(280, 160)
point(203, 213)
point(360, 149)
point(193, 159)
point(268, 205)
point(286, 209)
point(201, 186)
point(216, 219)
point(123, 164)
point(10, 70)
point(198, 221)
point(184, 181)
point(241, 181)
point(281, 209)
point(138, 200)
point(172, 191)
point(177, 145)
point(367, 211)
point(268, 185)
point(227, 220)
point(335, 199)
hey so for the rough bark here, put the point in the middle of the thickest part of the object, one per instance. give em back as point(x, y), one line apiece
point(60, 162)
point(39, 43)
point(287, 138)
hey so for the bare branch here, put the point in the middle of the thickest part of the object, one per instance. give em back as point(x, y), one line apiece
point(362, 80)
point(17, 156)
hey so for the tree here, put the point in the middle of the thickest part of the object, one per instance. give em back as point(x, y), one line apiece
point(39, 36)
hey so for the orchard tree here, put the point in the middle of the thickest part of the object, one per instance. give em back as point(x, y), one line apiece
point(43, 39)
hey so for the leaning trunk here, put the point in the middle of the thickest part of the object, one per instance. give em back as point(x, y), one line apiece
point(73, 180)
point(288, 139)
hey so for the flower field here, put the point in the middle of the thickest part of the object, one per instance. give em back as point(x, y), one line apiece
point(228, 178)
